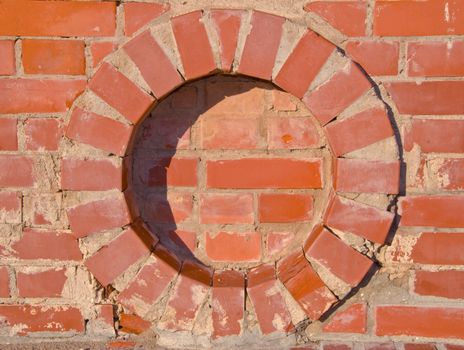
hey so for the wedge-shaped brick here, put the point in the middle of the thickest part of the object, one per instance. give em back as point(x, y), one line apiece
point(227, 25)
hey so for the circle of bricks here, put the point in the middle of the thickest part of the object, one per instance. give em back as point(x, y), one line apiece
point(150, 66)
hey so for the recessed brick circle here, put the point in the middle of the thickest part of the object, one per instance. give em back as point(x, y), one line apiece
point(138, 193)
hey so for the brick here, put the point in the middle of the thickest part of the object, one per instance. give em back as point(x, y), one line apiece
point(184, 239)
point(366, 221)
point(53, 57)
point(439, 248)
point(121, 93)
point(38, 95)
point(188, 295)
point(278, 241)
point(446, 283)
point(105, 315)
point(227, 208)
point(379, 346)
point(42, 209)
point(337, 93)
point(233, 247)
point(348, 17)
point(8, 134)
point(118, 255)
point(431, 322)
point(227, 25)
point(52, 245)
point(99, 215)
point(339, 258)
point(162, 77)
point(42, 134)
point(451, 174)
point(90, 175)
point(285, 207)
point(372, 176)
point(98, 131)
point(4, 282)
point(376, 57)
point(137, 14)
point(100, 49)
point(264, 173)
point(337, 346)
point(229, 133)
point(175, 207)
point(185, 98)
point(38, 18)
point(47, 318)
point(411, 18)
point(228, 303)
point(133, 324)
point(7, 57)
point(425, 132)
point(303, 64)
point(453, 347)
point(261, 45)
point(17, 171)
point(418, 346)
point(282, 101)
point(428, 98)
point(268, 302)
point(359, 131)
point(292, 133)
point(41, 284)
point(196, 55)
point(353, 319)
point(10, 207)
point(436, 211)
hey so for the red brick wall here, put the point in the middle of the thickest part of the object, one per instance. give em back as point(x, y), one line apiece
point(330, 211)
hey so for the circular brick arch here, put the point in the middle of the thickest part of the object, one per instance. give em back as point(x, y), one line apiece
point(151, 281)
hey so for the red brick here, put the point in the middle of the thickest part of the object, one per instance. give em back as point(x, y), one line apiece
point(98, 131)
point(362, 220)
point(10, 207)
point(268, 302)
point(227, 25)
point(340, 91)
point(360, 175)
point(348, 17)
point(282, 101)
point(359, 131)
point(264, 173)
point(451, 174)
point(278, 241)
point(196, 55)
point(337, 346)
point(121, 344)
point(339, 258)
point(46, 318)
point(439, 248)
point(133, 324)
point(353, 319)
point(419, 346)
point(8, 134)
point(305, 285)
point(42, 134)
point(292, 133)
point(436, 135)
point(376, 57)
point(4, 282)
point(226, 208)
point(431, 322)
point(379, 346)
point(174, 207)
point(100, 49)
point(41, 284)
point(7, 57)
point(428, 98)
point(118, 255)
point(121, 93)
point(187, 239)
point(261, 45)
point(105, 314)
point(38, 95)
point(436, 58)
point(39, 18)
point(98, 215)
point(53, 57)
point(285, 207)
point(233, 247)
point(303, 64)
point(453, 347)
point(53, 245)
point(90, 175)
point(411, 18)
point(17, 171)
point(137, 14)
point(447, 284)
point(151, 281)
point(162, 77)
point(229, 133)
point(228, 303)
point(436, 211)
